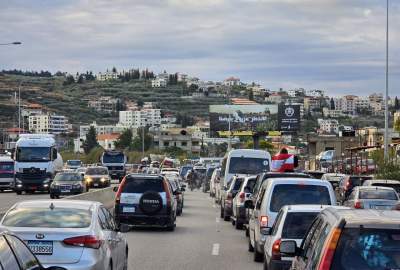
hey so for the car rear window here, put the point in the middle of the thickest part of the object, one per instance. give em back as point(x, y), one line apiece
point(289, 194)
point(250, 185)
point(237, 184)
point(358, 181)
point(377, 249)
point(377, 194)
point(394, 186)
point(296, 224)
point(48, 218)
point(68, 177)
point(142, 185)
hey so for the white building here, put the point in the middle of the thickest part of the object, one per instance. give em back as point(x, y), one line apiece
point(346, 104)
point(296, 92)
point(316, 93)
point(108, 75)
point(104, 104)
point(159, 82)
point(328, 125)
point(48, 123)
point(142, 118)
point(232, 81)
point(182, 77)
point(31, 109)
point(100, 129)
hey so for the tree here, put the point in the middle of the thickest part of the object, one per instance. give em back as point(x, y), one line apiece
point(81, 79)
point(396, 104)
point(137, 141)
point(396, 125)
point(69, 80)
point(125, 139)
point(332, 104)
point(91, 140)
point(114, 70)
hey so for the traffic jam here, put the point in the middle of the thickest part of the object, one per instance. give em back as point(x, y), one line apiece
point(89, 215)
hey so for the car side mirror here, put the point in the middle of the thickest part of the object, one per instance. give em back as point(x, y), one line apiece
point(266, 231)
point(124, 228)
point(249, 204)
point(288, 247)
point(115, 189)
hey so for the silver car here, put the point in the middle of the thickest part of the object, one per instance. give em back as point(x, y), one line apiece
point(76, 235)
point(367, 197)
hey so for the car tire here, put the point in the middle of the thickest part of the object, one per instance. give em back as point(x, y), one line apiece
point(265, 266)
point(239, 226)
point(125, 267)
point(52, 196)
point(233, 222)
point(179, 213)
point(257, 256)
point(226, 218)
point(247, 232)
point(221, 213)
point(18, 192)
point(250, 248)
point(171, 228)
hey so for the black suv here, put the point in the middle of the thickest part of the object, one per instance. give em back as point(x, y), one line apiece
point(145, 200)
point(341, 239)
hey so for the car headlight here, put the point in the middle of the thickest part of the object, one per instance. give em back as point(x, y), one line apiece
point(88, 179)
point(103, 179)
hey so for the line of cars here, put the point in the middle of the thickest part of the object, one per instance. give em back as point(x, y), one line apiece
point(295, 221)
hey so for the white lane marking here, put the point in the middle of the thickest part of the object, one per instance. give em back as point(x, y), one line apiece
point(217, 219)
point(215, 249)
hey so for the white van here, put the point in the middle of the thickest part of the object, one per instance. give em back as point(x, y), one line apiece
point(244, 162)
point(278, 192)
point(6, 172)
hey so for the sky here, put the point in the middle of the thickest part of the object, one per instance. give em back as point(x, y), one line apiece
point(335, 45)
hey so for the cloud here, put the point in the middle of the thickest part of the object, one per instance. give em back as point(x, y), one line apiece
point(338, 45)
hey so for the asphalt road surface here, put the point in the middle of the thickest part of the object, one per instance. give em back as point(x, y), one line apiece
point(201, 240)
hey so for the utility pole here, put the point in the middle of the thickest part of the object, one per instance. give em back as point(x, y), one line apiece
point(386, 138)
point(229, 120)
point(19, 108)
point(142, 141)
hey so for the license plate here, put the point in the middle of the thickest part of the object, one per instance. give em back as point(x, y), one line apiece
point(382, 207)
point(65, 190)
point(41, 247)
point(128, 209)
point(95, 184)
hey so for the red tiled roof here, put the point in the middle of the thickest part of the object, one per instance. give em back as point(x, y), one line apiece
point(110, 136)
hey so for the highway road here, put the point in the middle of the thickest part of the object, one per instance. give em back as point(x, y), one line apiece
point(201, 240)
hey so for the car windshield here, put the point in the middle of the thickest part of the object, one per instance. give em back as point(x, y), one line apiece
point(96, 171)
point(377, 194)
point(368, 249)
point(67, 177)
point(286, 194)
point(74, 163)
point(137, 185)
point(245, 165)
point(110, 158)
point(6, 166)
point(297, 223)
point(48, 218)
point(33, 154)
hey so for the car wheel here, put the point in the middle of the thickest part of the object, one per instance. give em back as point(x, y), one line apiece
point(126, 260)
point(18, 192)
point(222, 213)
point(171, 228)
point(258, 257)
point(247, 232)
point(238, 226)
point(251, 248)
point(52, 196)
point(265, 267)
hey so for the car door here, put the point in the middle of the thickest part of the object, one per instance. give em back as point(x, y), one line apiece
point(119, 244)
point(274, 230)
point(109, 234)
point(7, 258)
point(26, 259)
point(256, 212)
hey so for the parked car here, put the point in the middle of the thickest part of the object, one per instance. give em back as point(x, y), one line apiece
point(145, 201)
point(206, 183)
point(347, 184)
point(67, 183)
point(273, 195)
point(239, 217)
point(342, 239)
point(292, 223)
point(97, 177)
point(71, 234)
point(364, 197)
point(261, 178)
point(6, 173)
point(230, 193)
point(333, 178)
point(214, 183)
point(384, 183)
point(14, 252)
point(177, 191)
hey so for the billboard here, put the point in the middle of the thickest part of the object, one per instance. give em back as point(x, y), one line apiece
point(289, 117)
point(240, 117)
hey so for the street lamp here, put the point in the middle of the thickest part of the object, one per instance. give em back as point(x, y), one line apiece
point(12, 43)
point(386, 138)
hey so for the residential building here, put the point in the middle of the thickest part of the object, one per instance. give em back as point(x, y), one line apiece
point(232, 81)
point(316, 93)
point(274, 98)
point(48, 123)
point(101, 129)
point(257, 89)
point(182, 77)
point(142, 118)
point(346, 104)
point(177, 137)
point(31, 109)
point(107, 141)
point(164, 75)
point(242, 101)
point(328, 126)
point(108, 75)
point(159, 82)
point(332, 113)
point(376, 98)
point(361, 103)
point(311, 103)
point(300, 92)
point(105, 104)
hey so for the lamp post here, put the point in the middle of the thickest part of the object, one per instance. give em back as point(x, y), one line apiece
point(386, 138)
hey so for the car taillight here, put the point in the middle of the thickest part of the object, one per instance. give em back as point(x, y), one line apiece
point(242, 197)
point(118, 195)
point(168, 195)
point(329, 250)
point(358, 205)
point(229, 196)
point(347, 187)
point(263, 221)
point(276, 254)
point(88, 241)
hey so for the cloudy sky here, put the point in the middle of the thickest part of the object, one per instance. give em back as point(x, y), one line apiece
point(337, 45)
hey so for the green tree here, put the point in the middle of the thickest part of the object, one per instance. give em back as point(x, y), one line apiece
point(69, 80)
point(397, 125)
point(125, 140)
point(137, 141)
point(91, 140)
point(396, 104)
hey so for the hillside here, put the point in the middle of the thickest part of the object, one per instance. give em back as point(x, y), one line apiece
point(71, 100)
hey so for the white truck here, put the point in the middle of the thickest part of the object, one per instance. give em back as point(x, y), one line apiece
point(36, 163)
point(115, 161)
